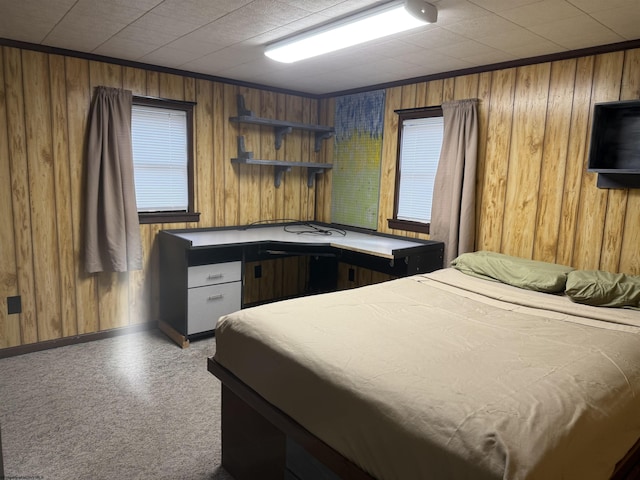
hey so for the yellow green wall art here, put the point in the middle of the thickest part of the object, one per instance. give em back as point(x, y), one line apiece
point(359, 121)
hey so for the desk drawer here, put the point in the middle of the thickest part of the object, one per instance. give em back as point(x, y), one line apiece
point(207, 304)
point(214, 273)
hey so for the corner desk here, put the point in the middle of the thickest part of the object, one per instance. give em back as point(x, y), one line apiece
point(202, 270)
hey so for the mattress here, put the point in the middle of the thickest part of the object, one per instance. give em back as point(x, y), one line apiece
point(444, 375)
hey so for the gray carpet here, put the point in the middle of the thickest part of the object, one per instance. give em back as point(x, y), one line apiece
point(131, 407)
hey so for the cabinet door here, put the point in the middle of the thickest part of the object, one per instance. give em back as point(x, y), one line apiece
point(207, 304)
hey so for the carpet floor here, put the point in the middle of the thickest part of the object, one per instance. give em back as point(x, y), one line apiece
point(129, 407)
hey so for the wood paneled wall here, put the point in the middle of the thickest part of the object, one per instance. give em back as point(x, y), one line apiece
point(44, 106)
point(535, 198)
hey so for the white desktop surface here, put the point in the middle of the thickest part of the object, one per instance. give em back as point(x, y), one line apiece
point(377, 245)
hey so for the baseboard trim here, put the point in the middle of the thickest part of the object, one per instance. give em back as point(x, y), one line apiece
point(63, 342)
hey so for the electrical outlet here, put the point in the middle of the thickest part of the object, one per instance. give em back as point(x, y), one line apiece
point(14, 305)
point(257, 271)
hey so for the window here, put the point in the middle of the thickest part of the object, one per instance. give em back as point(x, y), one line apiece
point(161, 133)
point(419, 144)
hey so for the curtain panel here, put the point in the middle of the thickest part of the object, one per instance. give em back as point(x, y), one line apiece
point(112, 230)
point(454, 193)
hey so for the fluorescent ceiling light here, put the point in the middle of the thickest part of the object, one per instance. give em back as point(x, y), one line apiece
point(379, 22)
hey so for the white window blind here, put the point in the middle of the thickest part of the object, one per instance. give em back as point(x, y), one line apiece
point(160, 159)
point(419, 156)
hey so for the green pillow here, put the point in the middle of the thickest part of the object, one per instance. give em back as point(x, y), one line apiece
point(519, 272)
point(604, 289)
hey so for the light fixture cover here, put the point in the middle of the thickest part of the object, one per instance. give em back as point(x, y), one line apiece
point(390, 18)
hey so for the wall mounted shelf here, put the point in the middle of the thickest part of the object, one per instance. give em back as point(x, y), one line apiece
point(279, 166)
point(281, 127)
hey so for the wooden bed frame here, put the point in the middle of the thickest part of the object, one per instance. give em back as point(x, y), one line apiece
point(255, 434)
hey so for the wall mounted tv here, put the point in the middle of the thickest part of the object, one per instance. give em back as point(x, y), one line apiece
point(615, 144)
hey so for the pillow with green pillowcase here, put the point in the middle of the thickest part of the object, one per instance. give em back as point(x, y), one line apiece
point(603, 289)
point(519, 272)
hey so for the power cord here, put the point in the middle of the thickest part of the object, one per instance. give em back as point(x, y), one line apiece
point(310, 229)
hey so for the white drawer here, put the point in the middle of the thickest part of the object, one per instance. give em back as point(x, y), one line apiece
point(214, 273)
point(206, 304)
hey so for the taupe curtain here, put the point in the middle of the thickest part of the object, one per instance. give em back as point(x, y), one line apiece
point(454, 192)
point(112, 230)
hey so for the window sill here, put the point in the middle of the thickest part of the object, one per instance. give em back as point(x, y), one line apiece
point(408, 225)
point(168, 217)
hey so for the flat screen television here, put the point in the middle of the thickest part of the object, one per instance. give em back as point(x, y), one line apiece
point(615, 144)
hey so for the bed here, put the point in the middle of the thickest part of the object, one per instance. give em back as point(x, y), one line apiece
point(443, 375)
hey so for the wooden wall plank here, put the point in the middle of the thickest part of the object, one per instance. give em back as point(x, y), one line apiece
point(630, 253)
point(268, 151)
point(580, 114)
point(466, 86)
point(135, 79)
point(307, 154)
point(484, 100)
point(607, 77)
point(63, 200)
point(9, 324)
point(281, 114)
point(139, 284)
point(220, 160)
point(554, 159)
point(249, 175)
point(435, 89)
point(523, 181)
point(619, 199)
point(78, 105)
point(323, 183)
point(421, 94)
point(292, 152)
point(37, 97)
point(408, 95)
point(204, 152)
point(393, 99)
point(22, 224)
point(231, 172)
point(496, 163)
point(448, 89)
point(153, 84)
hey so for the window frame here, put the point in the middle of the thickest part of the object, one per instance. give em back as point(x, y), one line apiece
point(176, 216)
point(408, 114)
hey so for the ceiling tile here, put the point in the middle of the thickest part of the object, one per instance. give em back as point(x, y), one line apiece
point(453, 11)
point(198, 12)
point(511, 39)
point(465, 49)
point(501, 5)
point(569, 32)
point(99, 9)
point(541, 12)
point(624, 20)
point(592, 6)
point(434, 38)
point(119, 47)
point(480, 26)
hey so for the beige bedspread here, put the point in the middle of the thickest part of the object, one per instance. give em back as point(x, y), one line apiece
point(444, 376)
